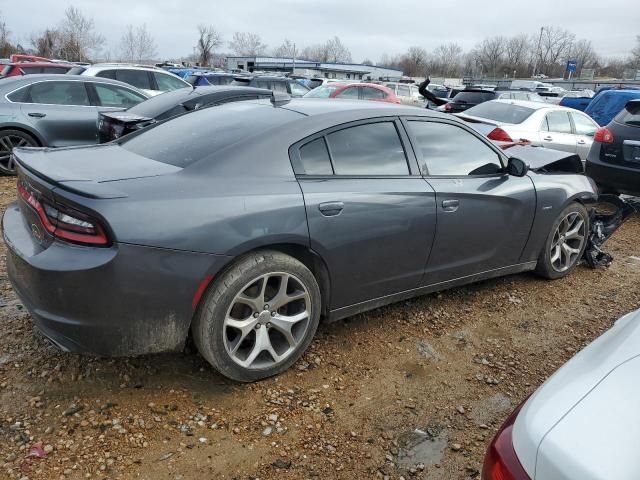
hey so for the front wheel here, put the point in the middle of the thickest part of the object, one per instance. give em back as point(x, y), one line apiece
point(10, 139)
point(258, 317)
point(565, 244)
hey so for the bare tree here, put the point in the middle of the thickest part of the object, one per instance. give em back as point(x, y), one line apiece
point(555, 47)
point(47, 43)
point(6, 48)
point(583, 53)
point(635, 53)
point(209, 40)
point(286, 50)
point(447, 59)
point(414, 62)
point(517, 54)
point(137, 44)
point(79, 41)
point(247, 44)
point(490, 54)
point(366, 61)
point(337, 52)
point(317, 52)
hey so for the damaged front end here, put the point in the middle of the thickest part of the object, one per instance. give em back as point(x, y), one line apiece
point(603, 225)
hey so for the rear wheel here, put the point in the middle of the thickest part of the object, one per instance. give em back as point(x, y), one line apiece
point(10, 139)
point(259, 317)
point(565, 244)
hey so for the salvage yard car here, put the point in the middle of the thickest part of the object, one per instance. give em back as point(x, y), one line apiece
point(248, 222)
point(112, 125)
point(56, 111)
point(355, 91)
point(582, 423)
point(538, 123)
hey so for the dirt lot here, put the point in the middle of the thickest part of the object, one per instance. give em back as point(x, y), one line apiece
point(415, 390)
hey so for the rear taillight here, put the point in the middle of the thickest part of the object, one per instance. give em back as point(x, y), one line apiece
point(499, 135)
point(65, 223)
point(501, 461)
point(603, 135)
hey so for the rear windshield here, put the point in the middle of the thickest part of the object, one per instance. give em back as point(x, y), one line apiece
point(199, 135)
point(500, 112)
point(474, 97)
point(630, 115)
point(161, 103)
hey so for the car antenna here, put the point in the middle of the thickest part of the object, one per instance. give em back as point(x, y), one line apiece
point(279, 99)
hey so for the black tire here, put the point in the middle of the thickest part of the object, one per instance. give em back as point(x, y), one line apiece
point(545, 267)
point(15, 138)
point(208, 327)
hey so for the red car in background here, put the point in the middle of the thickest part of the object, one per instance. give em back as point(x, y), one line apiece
point(29, 64)
point(354, 91)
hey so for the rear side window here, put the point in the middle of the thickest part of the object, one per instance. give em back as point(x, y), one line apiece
point(557, 122)
point(370, 93)
point(500, 112)
point(447, 150)
point(115, 96)
point(59, 93)
point(19, 96)
point(167, 82)
point(314, 157)
point(370, 149)
point(351, 92)
point(107, 74)
point(584, 125)
point(32, 70)
point(137, 78)
point(630, 115)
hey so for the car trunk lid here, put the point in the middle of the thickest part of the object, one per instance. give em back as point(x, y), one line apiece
point(89, 171)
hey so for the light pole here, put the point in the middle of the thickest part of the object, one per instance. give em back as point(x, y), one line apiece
point(538, 52)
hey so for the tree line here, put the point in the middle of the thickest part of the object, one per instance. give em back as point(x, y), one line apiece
point(75, 38)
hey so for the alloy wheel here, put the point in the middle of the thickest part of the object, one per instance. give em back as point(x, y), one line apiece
point(7, 144)
point(567, 242)
point(267, 320)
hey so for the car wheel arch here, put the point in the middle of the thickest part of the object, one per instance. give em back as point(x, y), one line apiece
point(23, 129)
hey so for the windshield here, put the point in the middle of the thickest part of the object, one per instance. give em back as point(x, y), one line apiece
point(474, 97)
point(500, 112)
point(322, 92)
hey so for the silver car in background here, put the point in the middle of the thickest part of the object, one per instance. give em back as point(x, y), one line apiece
point(539, 123)
point(583, 422)
point(56, 111)
point(151, 80)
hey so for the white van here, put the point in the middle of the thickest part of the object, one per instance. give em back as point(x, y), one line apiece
point(526, 84)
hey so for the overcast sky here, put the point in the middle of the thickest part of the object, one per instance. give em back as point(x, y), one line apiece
point(367, 28)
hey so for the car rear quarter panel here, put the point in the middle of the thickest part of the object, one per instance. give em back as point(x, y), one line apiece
point(553, 193)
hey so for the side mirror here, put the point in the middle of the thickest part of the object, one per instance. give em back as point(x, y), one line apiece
point(517, 167)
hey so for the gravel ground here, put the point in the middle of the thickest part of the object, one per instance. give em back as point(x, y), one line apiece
point(414, 390)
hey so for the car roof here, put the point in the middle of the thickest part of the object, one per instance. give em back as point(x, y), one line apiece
point(98, 67)
point(22, 80)
point(531, 105)
point(319, 106)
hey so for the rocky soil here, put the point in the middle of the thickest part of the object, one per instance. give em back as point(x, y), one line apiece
point(415, 390)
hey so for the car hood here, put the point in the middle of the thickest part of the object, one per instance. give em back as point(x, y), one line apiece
point(90, 171)
point(606, 369)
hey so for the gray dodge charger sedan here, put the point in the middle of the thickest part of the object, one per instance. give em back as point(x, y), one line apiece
point(248, 223)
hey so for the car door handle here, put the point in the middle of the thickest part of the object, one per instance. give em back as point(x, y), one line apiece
point(548, 138)
point(450, 205)
point(37, 114)
point(331, 209)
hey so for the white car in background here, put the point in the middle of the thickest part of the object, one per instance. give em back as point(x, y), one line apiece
point(151, 80)
point(583, 423)
point(541, 124)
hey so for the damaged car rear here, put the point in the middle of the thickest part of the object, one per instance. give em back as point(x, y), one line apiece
point(290, 213)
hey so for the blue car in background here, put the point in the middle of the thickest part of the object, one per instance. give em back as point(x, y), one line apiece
point(203, 79)
point(608, 103)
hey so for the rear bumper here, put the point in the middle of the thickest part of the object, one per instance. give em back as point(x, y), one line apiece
point(611, 177)
point(118, 301)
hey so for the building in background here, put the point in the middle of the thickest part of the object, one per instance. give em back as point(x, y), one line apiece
point(340, 71)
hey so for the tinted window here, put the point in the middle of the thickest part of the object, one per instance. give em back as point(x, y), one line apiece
point(55, 69)
point(219, 80)
point(371, 149)
point(59, 93)
point(20, 95)
point(137, 78)
point(370, 93)
point(630, 115)
point(500, 112)
point(188, 138)
point(114, 96)
point(403, 91)
point(474, 97)
point(107, 74)
point(31, 70)
point(451, 151)
point(558, 122)
point(584, 125)
point(315, 158)
point(167, 82)
point(351, 92)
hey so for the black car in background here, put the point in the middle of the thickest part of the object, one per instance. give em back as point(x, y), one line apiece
point(469, 97)
point(614, 159)
point(277, 84)
point(112, 125)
